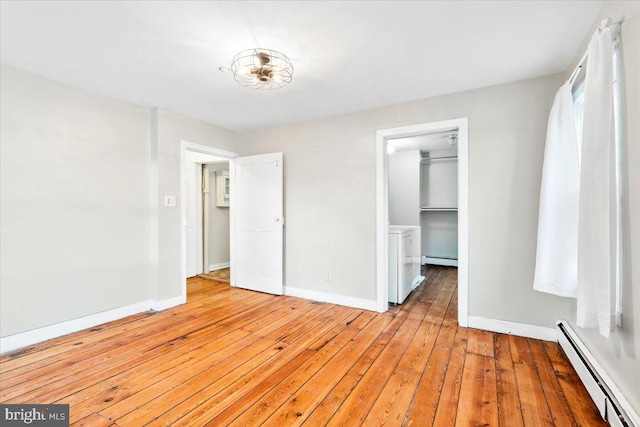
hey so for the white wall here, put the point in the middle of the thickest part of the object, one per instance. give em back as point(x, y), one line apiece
point(404, 188)
point(168, 130)
point(439, 183)
point(74, 207)
point(218, 221)
point(83, 223)
point(330, 195)
point(620, 354)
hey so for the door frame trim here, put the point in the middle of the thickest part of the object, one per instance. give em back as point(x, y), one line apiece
point(382, 208)
point(204, 149)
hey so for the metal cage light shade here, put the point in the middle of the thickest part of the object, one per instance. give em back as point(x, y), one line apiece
point(262, 69)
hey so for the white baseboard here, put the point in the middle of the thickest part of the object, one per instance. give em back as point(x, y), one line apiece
point(512, 328)
point(604, 377)
point(219, 266)
point(24, 339)
point(163, 304)
point(439, 261)
point(364, 304)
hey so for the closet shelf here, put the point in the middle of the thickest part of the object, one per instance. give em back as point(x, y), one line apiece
point(437, 209)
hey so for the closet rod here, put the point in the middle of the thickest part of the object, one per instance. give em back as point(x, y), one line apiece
point(438, 158)
point(440, 257)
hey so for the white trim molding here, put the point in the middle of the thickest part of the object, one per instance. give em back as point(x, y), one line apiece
point(364, 304)
point(513, 328)
point(382, 207)
point(439, 261)
point(164, 304)
point(219, 266)
point(24, 339)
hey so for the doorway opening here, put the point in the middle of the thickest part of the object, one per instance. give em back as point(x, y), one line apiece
point(205, 194)
point(430, 195)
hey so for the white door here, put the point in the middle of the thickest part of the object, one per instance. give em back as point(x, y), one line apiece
point(191, 226)
point(257, 201)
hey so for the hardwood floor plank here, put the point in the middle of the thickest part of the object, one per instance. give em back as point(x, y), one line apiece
point(154, 360)
point(422, 411)
point(560, 410)
point(208, 364)
point(355, 408)
point(130, 334)
point(223, 399)
point(432, 287)
point(441, 302)
point(558, 359)
point(164, 400)
point(396, 397)
point(293, 412)
point(126, 359)
point(478, 399)
point(480, 343)
point(71, 348)
point(196, 411)
point(291, 310)
point(203, 397)
point(24, 356)
point(121, 387)
point(582, 407)
point(509, 409)
point(93, 420)
point(278, 330)
point(324, 320)
point(120, 352)
point(450, 394)
point(41, 373)
point(330, 404)
point(451, 316)
point(247, 400)
point(535, 410)
point(272, 400)
point(446, 335)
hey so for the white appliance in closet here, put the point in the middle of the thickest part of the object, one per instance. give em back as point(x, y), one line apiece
point(404, 261)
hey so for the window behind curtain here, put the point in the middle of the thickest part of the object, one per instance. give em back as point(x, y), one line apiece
point(578, 103)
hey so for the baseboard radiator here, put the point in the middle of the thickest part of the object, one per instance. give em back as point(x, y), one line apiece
point(595, 380)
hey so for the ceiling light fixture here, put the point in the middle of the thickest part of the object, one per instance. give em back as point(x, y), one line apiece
point(264, 69)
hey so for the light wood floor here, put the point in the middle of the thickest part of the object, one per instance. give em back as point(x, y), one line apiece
point(222, 275)
point(244, 358)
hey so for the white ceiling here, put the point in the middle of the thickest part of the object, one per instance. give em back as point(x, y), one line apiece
point(348, 56)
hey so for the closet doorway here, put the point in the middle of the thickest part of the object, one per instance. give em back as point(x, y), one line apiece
point(422, 180)
point(206, 213)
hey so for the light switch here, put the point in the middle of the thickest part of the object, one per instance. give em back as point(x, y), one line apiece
point(169, 200)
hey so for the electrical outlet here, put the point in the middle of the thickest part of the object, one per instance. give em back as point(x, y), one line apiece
point(169, 200)
point(328, 277)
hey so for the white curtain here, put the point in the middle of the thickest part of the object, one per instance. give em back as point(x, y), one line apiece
point(557, 252)
point(597, 212)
